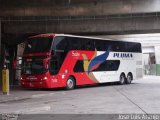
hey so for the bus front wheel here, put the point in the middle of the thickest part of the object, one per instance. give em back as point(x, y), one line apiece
point(70, 84)
point(122, 79)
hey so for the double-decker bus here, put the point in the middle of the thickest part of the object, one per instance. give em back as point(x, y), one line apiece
point(61, 60)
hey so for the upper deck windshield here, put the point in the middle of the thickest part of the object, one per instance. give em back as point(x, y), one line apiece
point(38, 45)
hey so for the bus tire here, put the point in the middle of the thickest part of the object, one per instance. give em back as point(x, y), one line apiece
point(129, 78)
point(122, 79)
point(70, 84)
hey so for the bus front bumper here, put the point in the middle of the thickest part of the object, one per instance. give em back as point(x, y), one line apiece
point(40, 84)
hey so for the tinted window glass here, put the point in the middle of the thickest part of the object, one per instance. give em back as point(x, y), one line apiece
point(108, 65)
point(33, 67)
point(101, 45)
point(133, 47)
point(59, 43)
point(38, 45)
point(79, 66)
point(75, 43)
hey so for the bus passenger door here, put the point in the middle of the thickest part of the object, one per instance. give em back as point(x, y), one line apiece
point(53, 65)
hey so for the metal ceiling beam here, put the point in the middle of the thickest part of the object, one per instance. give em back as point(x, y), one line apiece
point(90, 25)
point(76, 7)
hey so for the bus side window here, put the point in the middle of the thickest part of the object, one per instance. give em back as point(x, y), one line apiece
point(112, 66)
point(90, 45)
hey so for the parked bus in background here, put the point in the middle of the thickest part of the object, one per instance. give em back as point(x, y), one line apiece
point(61, 60)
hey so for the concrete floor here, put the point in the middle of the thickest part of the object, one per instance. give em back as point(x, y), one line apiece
point(142, 96)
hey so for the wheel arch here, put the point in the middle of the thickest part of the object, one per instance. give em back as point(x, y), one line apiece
point(130, 73)
point(122, 73)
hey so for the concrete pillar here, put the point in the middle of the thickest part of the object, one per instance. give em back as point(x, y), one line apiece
point(0, 56)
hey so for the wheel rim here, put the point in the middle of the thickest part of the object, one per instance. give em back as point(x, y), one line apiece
point(70, 83)
point(122, 79)
point(129, 78)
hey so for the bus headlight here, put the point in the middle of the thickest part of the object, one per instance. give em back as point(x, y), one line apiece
point(66, 71)
point(45, 78)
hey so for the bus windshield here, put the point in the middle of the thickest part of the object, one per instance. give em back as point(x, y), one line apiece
point(33, 68)
point(33, 65)
point(38, 45)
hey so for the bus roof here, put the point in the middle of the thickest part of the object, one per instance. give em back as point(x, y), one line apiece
point(68, 35)
point(44, 35)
